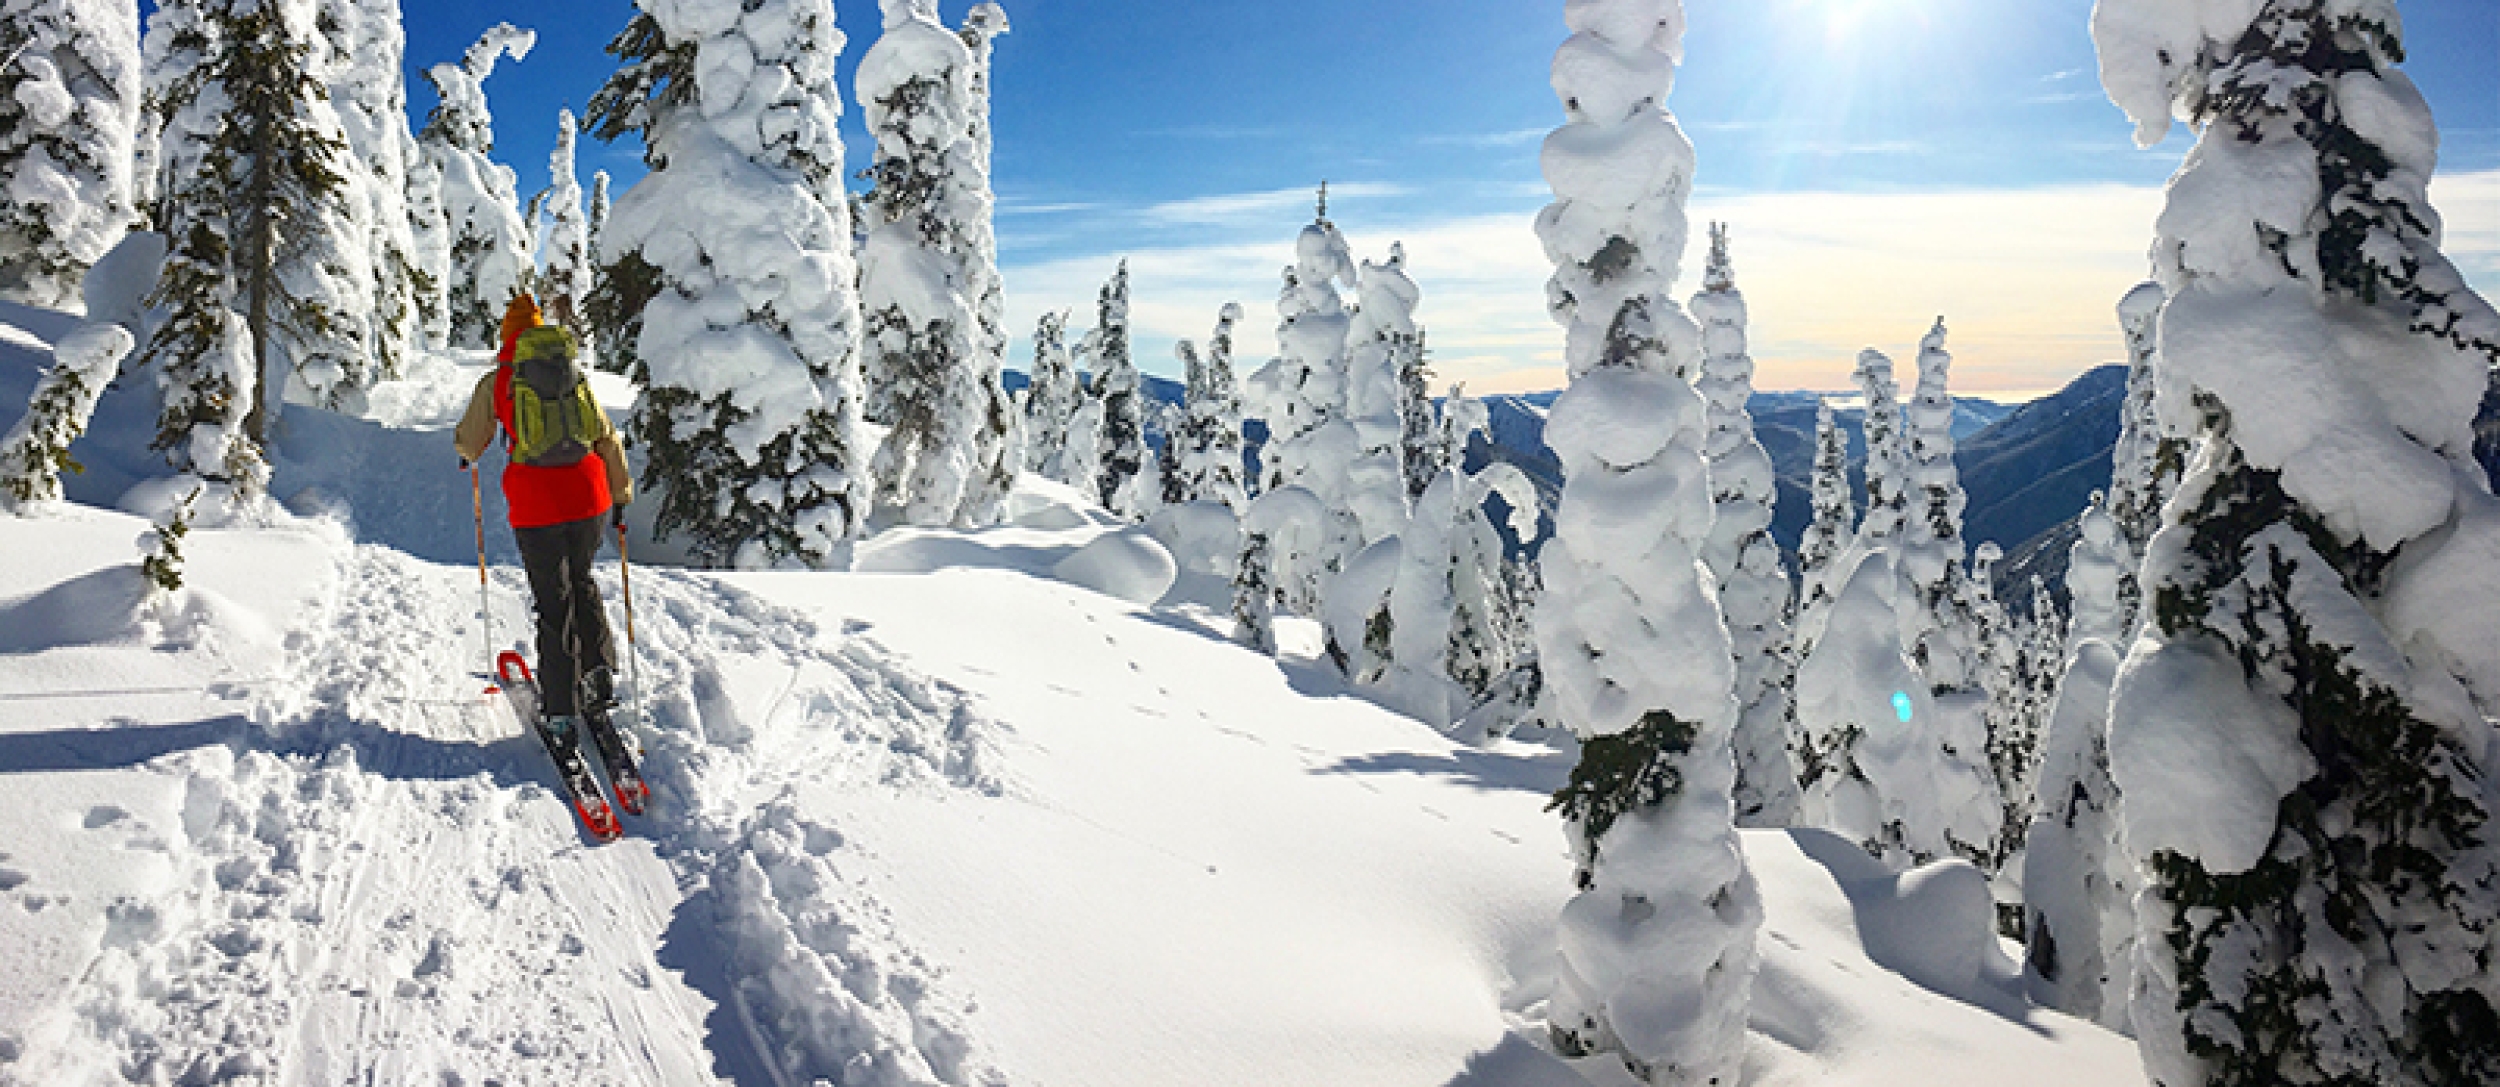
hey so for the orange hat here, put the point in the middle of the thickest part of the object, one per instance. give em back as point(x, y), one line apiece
point(519, 317)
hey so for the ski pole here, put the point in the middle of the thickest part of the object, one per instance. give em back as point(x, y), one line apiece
point(485, 617)
point(633, 657)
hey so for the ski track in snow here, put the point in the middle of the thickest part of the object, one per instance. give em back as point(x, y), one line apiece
point(381, 818)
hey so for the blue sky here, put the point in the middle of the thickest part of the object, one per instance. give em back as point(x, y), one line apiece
point(1881, 161)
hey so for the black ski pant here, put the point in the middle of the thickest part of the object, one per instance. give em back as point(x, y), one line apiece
point(573, 637)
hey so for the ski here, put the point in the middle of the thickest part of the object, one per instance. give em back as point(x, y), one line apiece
point(616, 751)
point(581, 787)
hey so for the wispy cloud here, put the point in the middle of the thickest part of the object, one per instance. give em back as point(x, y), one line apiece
point(2059, 98)
point(2061, 77)
point(1012, 206)
point(1516, 138)
point(1228, 208)
point(2026, 280)
point(1221, 132)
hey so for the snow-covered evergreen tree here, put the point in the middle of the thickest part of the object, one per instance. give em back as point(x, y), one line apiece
point(750, 417)
point(2095, 566)
point(1936, 623)
point(36, 450)
point(2145, 463)
point(921, 282)
point(69, 119)
point(1301, 396)
point(1381, 341)
point(1116, 387)
point(2302, 732)
point(429, 234)
point(1753, 586)
point(1422, 447)
point(564, 284)
point(1658, 946)
point(1254, 596)
point(998, 453)
point(1210, 460)
point(490, 243)
point(264, 290)
point(1447, 651)
point(369, 89)
point(1834, 524)
point(1050, 402)
point(1888, 485)
point(2079, 922)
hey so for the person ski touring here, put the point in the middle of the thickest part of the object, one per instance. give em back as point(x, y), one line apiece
point(565, 475)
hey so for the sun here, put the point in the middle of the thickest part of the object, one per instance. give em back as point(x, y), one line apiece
point(1845, 19)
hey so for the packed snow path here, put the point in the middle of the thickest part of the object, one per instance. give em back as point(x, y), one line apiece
point(369, 876)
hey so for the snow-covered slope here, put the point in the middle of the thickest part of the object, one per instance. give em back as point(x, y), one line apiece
point(949, 822)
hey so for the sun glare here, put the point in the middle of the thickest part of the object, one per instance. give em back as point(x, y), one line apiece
point(1845, 19)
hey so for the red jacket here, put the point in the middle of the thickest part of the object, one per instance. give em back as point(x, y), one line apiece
point(538, 496)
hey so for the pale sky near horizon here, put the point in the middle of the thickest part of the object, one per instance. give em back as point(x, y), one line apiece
point(1881, 163)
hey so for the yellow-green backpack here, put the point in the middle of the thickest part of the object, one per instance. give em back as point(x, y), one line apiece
point(555, 419)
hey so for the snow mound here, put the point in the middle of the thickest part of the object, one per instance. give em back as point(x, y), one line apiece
point(1127, 565)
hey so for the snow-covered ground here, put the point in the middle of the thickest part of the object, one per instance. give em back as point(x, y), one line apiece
point(949, 821)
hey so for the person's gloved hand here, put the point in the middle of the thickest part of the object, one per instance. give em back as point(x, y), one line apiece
point(464, 464)
point(616, 515)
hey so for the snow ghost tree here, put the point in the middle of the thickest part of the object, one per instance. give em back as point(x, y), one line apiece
point(1834, 523)
point(564, 284)
point(36, 450)
point(1423, 429)
point(1301, 396)
point(2145, 463)
point(69, 118)
point(2079, 923)
point(1381, 342)
point(488, 240)
point(1448, 655)
point(1887, 456)
point(1116, 387)
point(1210, 460)
point(366, 44)
point(1050, 400)
point(1753, 586)
point(1935, 612)
point(2302, 730)
point(1658, 946)
point(921, 282)
point(750, 419)
point(998, 443)
point(2094, 568)
point(266, 278)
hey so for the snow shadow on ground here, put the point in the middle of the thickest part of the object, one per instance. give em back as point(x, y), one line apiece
point(92, 609)
point(1540, 773)
point(693, 947)
point(75, 749)
point(1516, 1062)
point(1934, 925)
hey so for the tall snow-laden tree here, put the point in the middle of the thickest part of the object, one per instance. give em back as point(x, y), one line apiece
point(1827, 535)
point(998, 452)
point(2078, 883)
point(921, 282)
point(2145, 463)
point(429, 233)
point(2095, 567)
point(1448, 652)
point(1935, 616)
point(564, 284)
point(1658, 945)
point(1116, 387)
point(1381, 341)
point(1423, 448)
point(1888, 485)
point(1050, 400)
point(1301, 396)
point(1211, 466)
point(489, 242)
point(749, 335)
point(2303, 730)
point(69, 119)
point(369, 89)
point(263, 292)
point(1753, 586)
